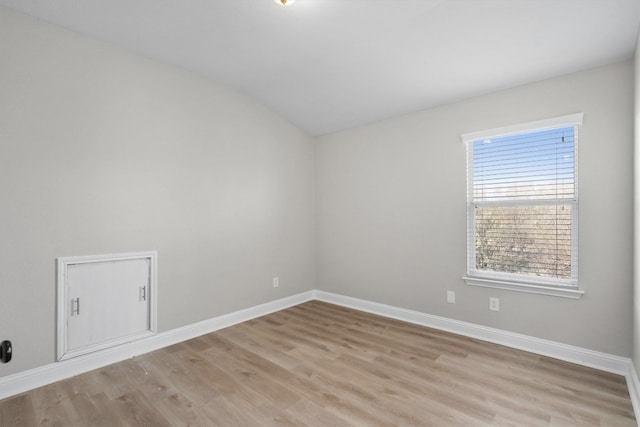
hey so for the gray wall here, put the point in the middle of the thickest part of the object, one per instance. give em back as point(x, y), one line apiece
point(102, 151)
point(391, 216)
point(636, 264)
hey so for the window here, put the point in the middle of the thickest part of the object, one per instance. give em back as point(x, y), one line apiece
point(522, 207)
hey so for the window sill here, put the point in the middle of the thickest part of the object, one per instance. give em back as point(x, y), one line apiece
point(563, 292)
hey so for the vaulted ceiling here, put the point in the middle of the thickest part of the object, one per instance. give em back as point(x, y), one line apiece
point(328, 65)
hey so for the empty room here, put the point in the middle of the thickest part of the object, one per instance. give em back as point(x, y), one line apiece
point(319, 212)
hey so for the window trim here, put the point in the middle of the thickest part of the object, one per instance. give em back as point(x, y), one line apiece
point(515, 282)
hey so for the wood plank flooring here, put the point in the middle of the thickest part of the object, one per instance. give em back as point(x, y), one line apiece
point(318, 364)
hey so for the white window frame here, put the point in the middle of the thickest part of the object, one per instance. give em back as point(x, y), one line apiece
point(512, 281)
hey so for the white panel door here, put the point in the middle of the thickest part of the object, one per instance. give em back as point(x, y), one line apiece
point(106, 301)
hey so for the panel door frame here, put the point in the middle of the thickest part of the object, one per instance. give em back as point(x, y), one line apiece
point(64, 308)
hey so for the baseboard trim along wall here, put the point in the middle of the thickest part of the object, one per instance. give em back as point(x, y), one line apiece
point(37, 377)
point(594, 359)
point(47, 374)
point(633, 384)
point(581, 356)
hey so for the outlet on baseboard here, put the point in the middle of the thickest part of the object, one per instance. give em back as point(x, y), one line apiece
point(494, 304)
point(276, 282)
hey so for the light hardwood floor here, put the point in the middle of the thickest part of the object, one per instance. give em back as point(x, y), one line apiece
point(318, 364)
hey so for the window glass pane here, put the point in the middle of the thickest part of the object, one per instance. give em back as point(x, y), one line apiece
point(530, 240)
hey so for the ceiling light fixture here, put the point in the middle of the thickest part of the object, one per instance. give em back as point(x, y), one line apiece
point(284, 2)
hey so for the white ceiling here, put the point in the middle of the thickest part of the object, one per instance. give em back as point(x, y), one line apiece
point(328, 65)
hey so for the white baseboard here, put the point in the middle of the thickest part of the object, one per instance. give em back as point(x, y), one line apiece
point(633, 384)
point(37, 377)
point(47, 374)
point(594, 359)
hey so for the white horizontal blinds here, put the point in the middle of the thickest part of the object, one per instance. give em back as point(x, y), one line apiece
point(523, 192)
point(531, 166)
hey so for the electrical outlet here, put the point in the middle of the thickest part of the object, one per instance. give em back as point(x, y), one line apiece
point(451, 297)
point(494, 304)
point(276, 282)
